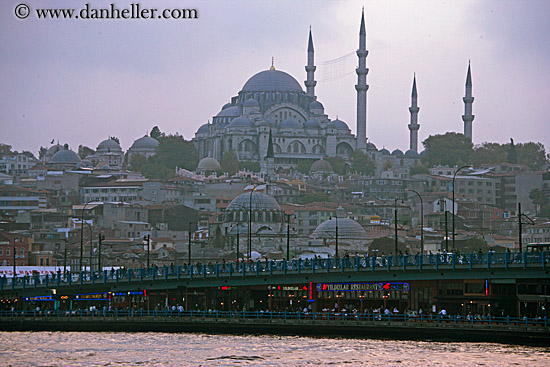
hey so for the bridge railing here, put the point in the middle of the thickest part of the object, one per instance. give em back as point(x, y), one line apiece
point(297, 266)
point(386, 319)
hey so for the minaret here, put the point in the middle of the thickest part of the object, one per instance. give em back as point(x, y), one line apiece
point(468, 118)
point(413, 126)
point(310, 68)
point(361, 87)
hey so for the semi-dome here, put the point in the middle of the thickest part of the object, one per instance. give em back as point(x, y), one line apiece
point(316, 105)
point(251, 103)
point(347, 228)
point(241, 122)
point(272, 81)
point(145, 142)
point(397, 153)
point(290, 123)
point(411, 153)
point(108, 145)
point(65, 156)
point(311, 124)
point(208, 164)
point(371, 146)
point(340, 125)
point(385, 151)
point(203, 129)
point(258, 201)
point(231, 111)
point(321, 166)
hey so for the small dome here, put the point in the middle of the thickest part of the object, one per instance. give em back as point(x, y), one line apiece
point(208, 164)
point(397, 153)
point(347, 229)
point(411, 153)
point(272, 81)
point(340, 125)
point(241, 122)
point(316, 105)
point(145, 142)
point(53, 149)
point(371, 146)
point(65, 156)
point(422, 153)
point(232, 111)
point(108, 145)
point(251, 103)
point(259, 201)
point(290, 123)
point(321, 166)
point(385, 151)
point(227, 105)
point(311, 124)
point(262, 123)
point(202, 129)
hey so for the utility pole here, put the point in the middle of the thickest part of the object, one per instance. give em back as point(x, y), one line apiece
point(101, 238)
point(288, 236)
point(148, 239)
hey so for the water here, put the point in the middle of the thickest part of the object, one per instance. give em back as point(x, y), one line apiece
point(164, 349)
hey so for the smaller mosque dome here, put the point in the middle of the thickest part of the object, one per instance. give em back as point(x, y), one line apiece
point(290, 123)
point(347, 228)
point(371, 146)
point(53, 149)
point(321, 166)
point(397, 153)
point(411, 153)
point(241, 122)
point(227, 105)
point(384, 151)
point(251, 103)
point(258, 201)
point(311, 124)
point(208, 164)
point(145, 142)
point(316, 105)
point(422, 153)
point(108, 145)
point(340, 125)
point(202, 129)
point(232, 111)
point(65, 156)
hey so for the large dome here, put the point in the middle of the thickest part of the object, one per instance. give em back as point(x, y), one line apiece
point(347, 229)
point(146, 142)
point(259, 201)
point(65, 156)
point(272, 81)
point(208, 164)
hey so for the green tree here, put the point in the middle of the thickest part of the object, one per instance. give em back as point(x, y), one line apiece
point(28, 154)
point(474, 244)
point(418, 169)
point(251, 166)
point(538, 198)
point(42, 152)
point(489, 153)
point(451, 149)
point(5, 148)
point(532, 155)
point(362, 163)
point(338, 164)
point(512, 153)
point(114, 138)
point(385, 246)
point(303, 166)
point(84, 151)
point(230, 162)
point(138, 161)
point(156, 133)
point(174, 150)
point(315, 197)
point(387, 165)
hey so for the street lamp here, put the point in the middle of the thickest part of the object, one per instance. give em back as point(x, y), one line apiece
point(395, 221)
point(189, 245)
point(148, 239)
point(250, 223)
point(238, 232)
point(82, 232)
point(101, 238)
point(446, 228)
point(421, 221)
point(288, 216)
point(454, 178)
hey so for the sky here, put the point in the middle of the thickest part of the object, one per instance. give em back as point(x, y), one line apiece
point(80, 81)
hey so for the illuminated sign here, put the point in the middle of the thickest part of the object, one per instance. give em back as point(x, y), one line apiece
point(39, 298)
point(290, 288)
point(365, 287)
point(92, 296)
point(226, 288)
point(129, 293)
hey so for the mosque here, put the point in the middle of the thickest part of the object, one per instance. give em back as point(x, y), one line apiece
point(272, 120)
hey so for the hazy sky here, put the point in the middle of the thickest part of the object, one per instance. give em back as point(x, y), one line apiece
point(80, 81)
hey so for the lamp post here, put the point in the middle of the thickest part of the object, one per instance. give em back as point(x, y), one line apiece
point(189, 245)
point(250, 223)
point(421, 221)
point(148, 239)
point(336, 232)
point(454, 178)
point(395, 222)
point(288, 216)
point(14, 255)
point(82, 232)
point(237, 226)
point(446, 228)
point(101, 238)
point(65, 257)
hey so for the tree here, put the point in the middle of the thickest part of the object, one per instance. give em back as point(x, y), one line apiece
point(451, 149)
point(418, 169)
point(338, 164)
point(230, 162)
point(5, 148)
point(315, 197)
point(474, 244)
point(174, 150)
point(138, 161)
point(385, 245)
point(114, 138)
point(538, 199)
point(362, 163)
point(489, 153)
point(532, 155)
point(156, 133)
point(251, 166)
point(84, 151)
point(512, 153)
point(303, 166)
point(42, 152)
point(28, 154)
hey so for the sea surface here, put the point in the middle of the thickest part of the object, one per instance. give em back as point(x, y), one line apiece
point(187, 349)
